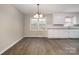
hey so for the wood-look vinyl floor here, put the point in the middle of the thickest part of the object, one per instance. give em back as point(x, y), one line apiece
point(44, 46)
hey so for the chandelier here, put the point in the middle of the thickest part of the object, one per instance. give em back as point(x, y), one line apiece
point(38, 15)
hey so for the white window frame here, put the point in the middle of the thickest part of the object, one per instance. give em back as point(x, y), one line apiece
point(38, 27)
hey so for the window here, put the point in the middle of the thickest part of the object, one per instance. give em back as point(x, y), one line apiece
point(38, 24)
point(70, 21)
point(42, 24)
point(34, 24)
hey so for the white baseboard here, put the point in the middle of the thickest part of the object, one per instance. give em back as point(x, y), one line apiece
point(11, 45)
point(34, 36)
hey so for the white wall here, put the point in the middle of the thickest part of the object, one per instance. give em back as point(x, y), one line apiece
point(11, 26)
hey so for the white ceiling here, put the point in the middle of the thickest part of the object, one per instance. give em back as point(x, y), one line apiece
point(47, 8)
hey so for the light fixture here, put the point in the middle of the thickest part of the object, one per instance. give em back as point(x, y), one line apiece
point(38, 14)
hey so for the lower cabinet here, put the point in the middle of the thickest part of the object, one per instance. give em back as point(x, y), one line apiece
point(74, 33)
point(63, 33)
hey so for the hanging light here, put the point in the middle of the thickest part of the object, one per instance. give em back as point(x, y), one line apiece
point(38, 15)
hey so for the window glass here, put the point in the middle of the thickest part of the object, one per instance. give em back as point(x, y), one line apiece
point(38, 24)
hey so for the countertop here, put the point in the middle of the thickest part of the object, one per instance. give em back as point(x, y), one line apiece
point(62, 27)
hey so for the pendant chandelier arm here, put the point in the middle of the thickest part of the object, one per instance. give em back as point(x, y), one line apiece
point(38, 9)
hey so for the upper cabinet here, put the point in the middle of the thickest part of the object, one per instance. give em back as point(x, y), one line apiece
point(77, 19)
point(59, 18)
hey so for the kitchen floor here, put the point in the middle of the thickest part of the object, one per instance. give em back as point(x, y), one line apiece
point(44, 46)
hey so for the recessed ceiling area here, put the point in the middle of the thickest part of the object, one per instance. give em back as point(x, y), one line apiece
point(47, 8)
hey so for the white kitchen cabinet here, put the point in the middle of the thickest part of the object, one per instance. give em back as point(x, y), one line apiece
point(74, 33)
point(58, 19)
point(77, 18)
point(63, 33)
point(57, 33)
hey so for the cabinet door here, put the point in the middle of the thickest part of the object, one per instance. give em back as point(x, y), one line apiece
point(58, 19)
point(74, 33)
point(57, 33)
point(77, 19)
